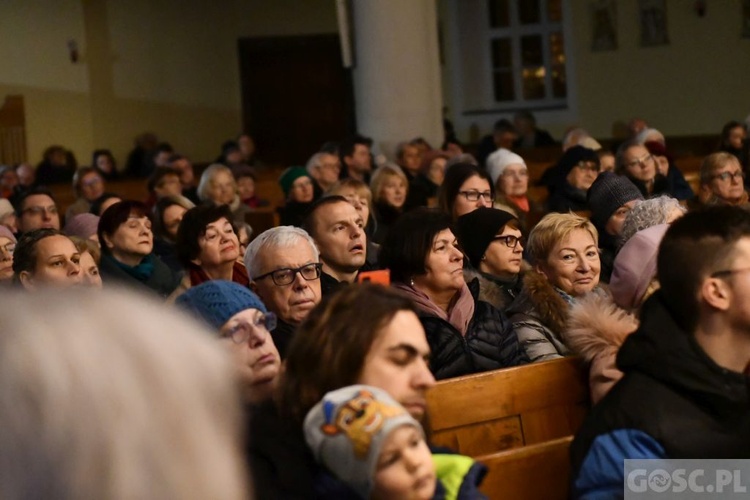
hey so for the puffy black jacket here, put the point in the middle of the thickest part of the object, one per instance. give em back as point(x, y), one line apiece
point(674, 401)
point(489, 344)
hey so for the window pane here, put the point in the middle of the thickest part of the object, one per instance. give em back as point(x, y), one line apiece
point(501, 53)
point(533, 83)
point(559, 83)
point(554, 11)
point(557, 52)
point(531, 50)
point(528, 12)
point(557, 48)
point(499, 13)
point(503, 86)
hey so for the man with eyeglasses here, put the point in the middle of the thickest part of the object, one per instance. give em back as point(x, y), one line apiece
point(684, 393)
point(284, 267)
point(339, 233)
point(37, 209)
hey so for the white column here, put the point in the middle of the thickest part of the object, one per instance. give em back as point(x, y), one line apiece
point(397, 85)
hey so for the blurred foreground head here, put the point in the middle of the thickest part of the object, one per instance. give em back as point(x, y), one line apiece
point(109, 395)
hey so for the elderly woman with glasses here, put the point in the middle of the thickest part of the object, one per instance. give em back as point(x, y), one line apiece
point(243, 324)
point(466, 334)
point(575, 172)
point(565, 259)
point(466, 187)
point(492, 242)
point(722, 182)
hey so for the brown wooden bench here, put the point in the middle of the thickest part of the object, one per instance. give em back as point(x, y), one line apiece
point(539, 471)
point(498, 410)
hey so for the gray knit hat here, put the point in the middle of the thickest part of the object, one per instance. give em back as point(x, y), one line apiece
point(348, 427)
point(608, 193)
point(216, 301)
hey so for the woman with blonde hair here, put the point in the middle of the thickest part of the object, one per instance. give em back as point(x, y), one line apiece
point(389, 186)
point(565, 257)
point(722, 181)
point(148, 411)
point(598, 324)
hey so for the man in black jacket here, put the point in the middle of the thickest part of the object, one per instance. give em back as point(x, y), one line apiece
point(685, 389)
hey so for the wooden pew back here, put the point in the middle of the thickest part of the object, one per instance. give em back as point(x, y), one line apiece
point(539, 471)
point(498, 410)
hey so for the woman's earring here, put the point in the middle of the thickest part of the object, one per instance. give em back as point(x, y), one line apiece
point(411, 282)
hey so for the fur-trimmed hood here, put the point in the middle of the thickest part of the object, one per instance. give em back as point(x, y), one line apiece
point(596, 325)
point(539, 299)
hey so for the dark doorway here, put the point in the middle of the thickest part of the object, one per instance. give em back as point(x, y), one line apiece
point(296, 95)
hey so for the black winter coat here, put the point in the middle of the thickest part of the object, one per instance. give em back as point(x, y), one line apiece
point(489, 344)
point(674, 401)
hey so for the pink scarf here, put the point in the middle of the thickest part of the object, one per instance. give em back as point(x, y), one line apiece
point(460, 311)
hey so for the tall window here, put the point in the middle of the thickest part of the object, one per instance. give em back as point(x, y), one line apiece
point(527, 53)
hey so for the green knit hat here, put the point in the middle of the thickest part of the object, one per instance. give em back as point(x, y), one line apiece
point(290, 175)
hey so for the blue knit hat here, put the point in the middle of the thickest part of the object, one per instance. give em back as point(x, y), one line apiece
point(216, 301)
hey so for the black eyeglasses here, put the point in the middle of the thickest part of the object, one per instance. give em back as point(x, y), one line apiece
point(510, 240)
point(240, 332)
point(590, 166)
point(286, 275)
point(725, 176)
point(474, 195)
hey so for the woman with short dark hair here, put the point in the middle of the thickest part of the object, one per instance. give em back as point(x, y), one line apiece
point(46, 257)
point(127, 244)
point(208, 248)
point(466, 335)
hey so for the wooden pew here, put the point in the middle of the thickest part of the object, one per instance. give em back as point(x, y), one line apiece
point(498, 410)
point(539, 471)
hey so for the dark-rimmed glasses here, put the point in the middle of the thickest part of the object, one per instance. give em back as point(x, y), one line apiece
point(725, 176)
point(286, 275)
point(510, 240)
point(242, 331)
point(474, 195)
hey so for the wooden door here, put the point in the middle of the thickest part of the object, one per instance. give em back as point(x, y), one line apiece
point(296, 95)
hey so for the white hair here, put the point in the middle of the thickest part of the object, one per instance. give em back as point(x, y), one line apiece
point(110, 395)
point(207, 178)
point(273, 239)
point(314, 161)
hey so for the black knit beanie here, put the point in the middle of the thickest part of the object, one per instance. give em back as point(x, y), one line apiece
point(477, 229)
point(573, 157)
point(608, 193)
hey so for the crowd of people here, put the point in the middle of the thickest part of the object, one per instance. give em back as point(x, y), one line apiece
point(380, 279)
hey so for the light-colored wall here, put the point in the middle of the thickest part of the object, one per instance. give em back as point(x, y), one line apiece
point(692, 86)
point(167, 66)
